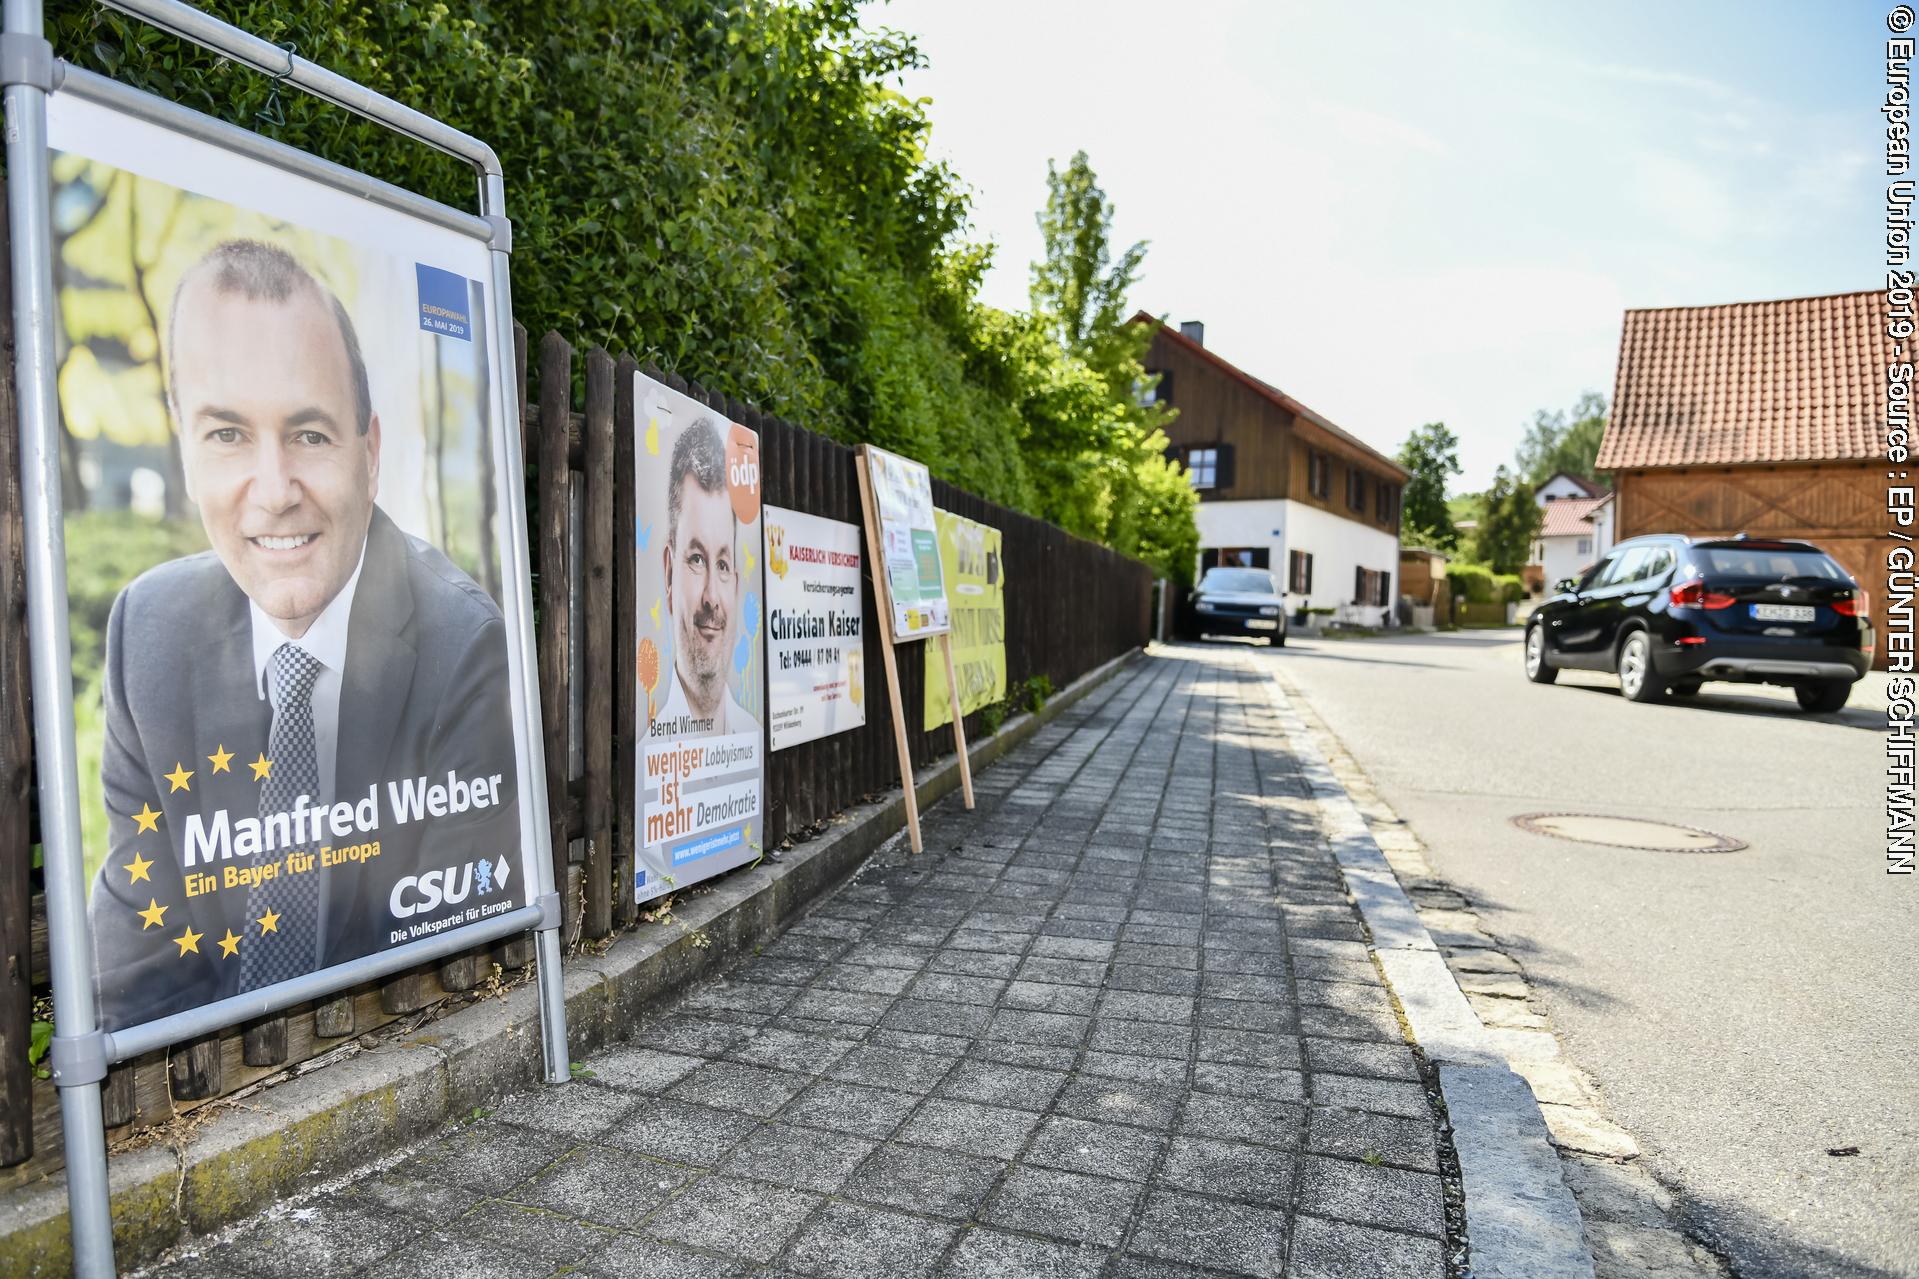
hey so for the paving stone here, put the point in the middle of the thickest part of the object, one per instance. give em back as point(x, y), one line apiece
point(698, 1136)
point(1064, 1205)
point(1161, 956)
point(1356, 1057)
point(1387, 1096)
point(1244, 1238)
point(953, 988)
point(1037, 1056)
point(1249, 1081)
point(1107, 1150)
point(330, 1236)
point(725, 1214)
point(1155, 980)
point(611, 1187)
point(850, 1108)
point(639, 1257)
point(975, 963)
point(1237, 1014)
point(926, 1017)
point(969, 1126)
point(1345, 1023)
point(1267, 1123)
point(1142, 1038)
point(739, 996)
point(640, 1069)
point(1169, 1071)
point(889, 1067)
point(1250, 1048)
point(576, 1110)
point(692, 1036)
point(1120, 1101)
point(852, 1007)
point(1228, 1169)
point(1052, 1029)
point(451, 1254)
point(1051, 997)
point(555, 1238)
point(942, 1183)
point(486, 1156)
point(391, 1192)
point(1062, 972)
point(805, 1158)
point(999, 1084)
point(732, 1085)
point(777, 1048)
point(1325, 1249)
point(1373, 1196)
point(853, 1241)
point(1369, 1137)
point(994, 1254)
point(854, 979)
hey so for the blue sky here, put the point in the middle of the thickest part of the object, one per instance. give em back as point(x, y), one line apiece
point(1400, 214)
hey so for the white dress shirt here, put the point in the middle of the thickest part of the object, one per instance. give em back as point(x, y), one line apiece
point(324, 641)
point(731, 719)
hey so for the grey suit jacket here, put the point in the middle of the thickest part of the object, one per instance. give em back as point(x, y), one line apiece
point(425, 691)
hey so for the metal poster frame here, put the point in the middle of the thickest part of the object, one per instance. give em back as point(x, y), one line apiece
point(81, 1051)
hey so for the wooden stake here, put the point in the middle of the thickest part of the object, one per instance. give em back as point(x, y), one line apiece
point(883, 602)
point(959, 726)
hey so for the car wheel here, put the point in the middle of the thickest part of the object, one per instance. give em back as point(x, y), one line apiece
point(1538, 669)
point(1278, 638)
point(1825, 697)
point(1637, 679)
point(1685, 688)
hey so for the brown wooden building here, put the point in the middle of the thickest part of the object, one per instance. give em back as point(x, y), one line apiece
point(1757, 417)
point(1280, 486)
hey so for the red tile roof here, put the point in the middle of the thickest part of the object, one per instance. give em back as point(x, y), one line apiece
point(1566, 516)
point(1792, 381)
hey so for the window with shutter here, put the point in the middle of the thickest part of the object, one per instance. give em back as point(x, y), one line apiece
point(1300, 572)
point(1224, 478)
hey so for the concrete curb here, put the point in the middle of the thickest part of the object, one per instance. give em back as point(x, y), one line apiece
point(1521, 1219)
point(326, 1122)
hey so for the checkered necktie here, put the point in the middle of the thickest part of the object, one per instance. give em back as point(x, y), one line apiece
point(292, 948)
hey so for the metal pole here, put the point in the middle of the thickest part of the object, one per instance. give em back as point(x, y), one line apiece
point(74, 1015)
point(519, 607)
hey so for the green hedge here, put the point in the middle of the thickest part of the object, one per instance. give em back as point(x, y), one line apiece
point(1478, 584)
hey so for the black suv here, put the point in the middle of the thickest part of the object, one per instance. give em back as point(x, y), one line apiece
point(1669, 613)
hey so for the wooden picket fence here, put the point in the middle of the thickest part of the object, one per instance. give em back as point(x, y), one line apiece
point(1070, 606)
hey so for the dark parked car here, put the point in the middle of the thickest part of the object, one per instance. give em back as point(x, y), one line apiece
point(1238, 601)
point(1669, 613)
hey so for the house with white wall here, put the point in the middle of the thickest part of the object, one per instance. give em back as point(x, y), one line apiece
point(1280, 487)
point(1575, 527)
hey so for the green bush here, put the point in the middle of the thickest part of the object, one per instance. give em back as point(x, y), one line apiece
point(1471, 582)
point(1509, 588)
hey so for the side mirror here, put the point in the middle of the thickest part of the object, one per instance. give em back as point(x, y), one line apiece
point(1566, 586)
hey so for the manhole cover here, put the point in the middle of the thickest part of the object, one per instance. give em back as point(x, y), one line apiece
point(1628, 832)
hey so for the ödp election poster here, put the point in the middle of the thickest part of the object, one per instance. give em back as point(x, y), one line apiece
point(909, 544)
point(698, 587)
point(975, 575)
point(815, 679)
point(282, 413)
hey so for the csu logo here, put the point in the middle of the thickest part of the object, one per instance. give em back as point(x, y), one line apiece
point(423, 894)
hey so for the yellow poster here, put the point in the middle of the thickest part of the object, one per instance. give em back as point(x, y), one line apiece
point(975, 570)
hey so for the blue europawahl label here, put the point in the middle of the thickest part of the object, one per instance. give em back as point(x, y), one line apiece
point(444, 308)
point(707, 845)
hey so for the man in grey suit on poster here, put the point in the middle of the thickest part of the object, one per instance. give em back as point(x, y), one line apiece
point(314, 656)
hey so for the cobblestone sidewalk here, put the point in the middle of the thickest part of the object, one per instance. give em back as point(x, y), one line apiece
point(1117, 1021)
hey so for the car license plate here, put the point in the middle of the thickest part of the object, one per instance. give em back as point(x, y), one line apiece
point(1261, 624)
point(1782, 612)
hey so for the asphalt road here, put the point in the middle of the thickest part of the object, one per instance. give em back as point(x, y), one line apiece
point(1744, 1013)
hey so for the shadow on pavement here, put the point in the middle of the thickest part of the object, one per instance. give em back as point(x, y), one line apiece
point(1729, 703)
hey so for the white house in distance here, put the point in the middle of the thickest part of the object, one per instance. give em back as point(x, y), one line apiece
point(1576, 527)
point(1280, 487)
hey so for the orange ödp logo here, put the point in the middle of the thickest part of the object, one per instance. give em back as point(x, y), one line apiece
point(743, 472)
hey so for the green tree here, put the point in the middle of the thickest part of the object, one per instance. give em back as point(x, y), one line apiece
point(1561, 440)
point(1430, 456)
point(1096, 455)
point(1508, 520)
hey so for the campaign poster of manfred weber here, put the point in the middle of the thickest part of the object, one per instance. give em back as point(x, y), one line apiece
point(291, 675)
point(698, 587)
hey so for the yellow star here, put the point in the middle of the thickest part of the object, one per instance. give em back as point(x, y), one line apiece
point(220, 758)
point(655, 610)
point(138, 868)
point(229, 945)
point(749, 561)
point(189, 941)
point(147, 819)
point(262, 767)
point(178, 778)
point(269, 923)
point(155, 913)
